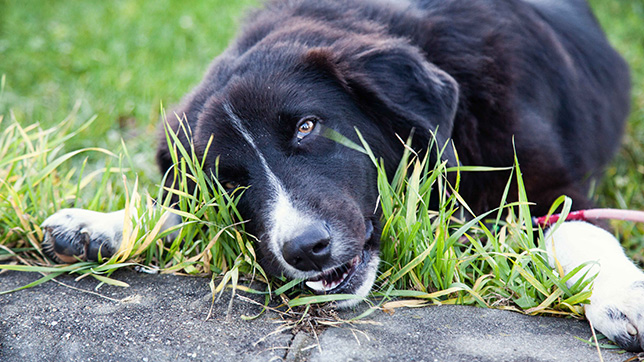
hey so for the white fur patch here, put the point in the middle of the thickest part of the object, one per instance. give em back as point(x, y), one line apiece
point(286, 221)
point(574, 243)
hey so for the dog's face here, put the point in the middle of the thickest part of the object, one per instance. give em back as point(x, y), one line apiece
point(311, 201)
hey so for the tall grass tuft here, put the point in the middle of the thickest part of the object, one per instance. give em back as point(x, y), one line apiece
point(442, 257)
point(38, 179)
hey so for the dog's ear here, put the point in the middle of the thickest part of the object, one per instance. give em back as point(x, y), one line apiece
point(414, 92)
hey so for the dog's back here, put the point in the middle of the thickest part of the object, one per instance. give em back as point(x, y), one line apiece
point(534, 76)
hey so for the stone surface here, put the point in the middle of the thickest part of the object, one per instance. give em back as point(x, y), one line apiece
point(163, 318)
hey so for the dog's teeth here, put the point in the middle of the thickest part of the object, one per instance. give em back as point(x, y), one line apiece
point(323, 285)
point(333, 284)
point(318, 286)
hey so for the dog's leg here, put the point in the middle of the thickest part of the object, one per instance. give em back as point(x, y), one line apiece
point(616, 306)
point(72, 235)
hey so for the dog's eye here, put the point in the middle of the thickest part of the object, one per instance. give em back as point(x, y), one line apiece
point(230, 185)
point(305, 127)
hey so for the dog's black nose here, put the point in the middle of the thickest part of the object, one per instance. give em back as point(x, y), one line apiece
point(311, 250)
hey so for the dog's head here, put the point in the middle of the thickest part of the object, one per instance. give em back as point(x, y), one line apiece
point(312, 202)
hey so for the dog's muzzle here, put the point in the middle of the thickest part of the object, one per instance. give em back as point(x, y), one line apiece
point(311, 251)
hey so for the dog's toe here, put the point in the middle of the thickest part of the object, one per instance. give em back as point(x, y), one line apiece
point(72, 235)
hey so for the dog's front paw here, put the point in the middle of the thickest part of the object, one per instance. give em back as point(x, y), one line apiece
point(72, 235)
point(616, 306)
point(617, 311)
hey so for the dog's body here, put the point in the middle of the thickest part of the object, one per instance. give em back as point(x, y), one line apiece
point(495, 77)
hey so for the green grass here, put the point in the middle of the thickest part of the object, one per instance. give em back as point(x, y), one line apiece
point(108, 70)
point(622, 185)
point(118, 60)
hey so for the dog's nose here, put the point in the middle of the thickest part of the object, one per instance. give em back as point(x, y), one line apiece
point(311, 250)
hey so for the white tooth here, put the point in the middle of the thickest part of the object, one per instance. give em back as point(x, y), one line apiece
point(337, 282)
point(317, 286)
point(323, 285)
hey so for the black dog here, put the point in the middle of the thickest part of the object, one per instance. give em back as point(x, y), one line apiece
point(481, 73)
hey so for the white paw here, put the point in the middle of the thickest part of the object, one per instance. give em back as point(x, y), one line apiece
point(617, 311)
point(71, 235)
point(616, 306)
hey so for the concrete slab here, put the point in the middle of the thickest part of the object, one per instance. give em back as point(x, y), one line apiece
point(461, 333)
point(163, 318)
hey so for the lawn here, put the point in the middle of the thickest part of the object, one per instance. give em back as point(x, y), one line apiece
point(110, 69)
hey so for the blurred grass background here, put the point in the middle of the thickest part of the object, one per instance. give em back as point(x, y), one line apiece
point(623, 184)
point(120, 59)
point(123, 60)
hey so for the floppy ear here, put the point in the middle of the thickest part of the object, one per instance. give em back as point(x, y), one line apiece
point(420, 96)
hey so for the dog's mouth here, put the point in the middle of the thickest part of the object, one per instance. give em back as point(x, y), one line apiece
point(333, 280)
point(339, 279)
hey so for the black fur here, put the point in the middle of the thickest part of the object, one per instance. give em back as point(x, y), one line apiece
point(483, 73)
